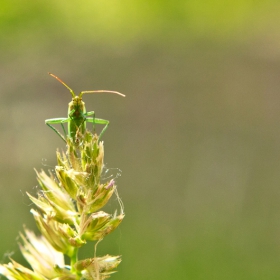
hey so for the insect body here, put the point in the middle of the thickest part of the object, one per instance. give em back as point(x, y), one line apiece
point(77, 115)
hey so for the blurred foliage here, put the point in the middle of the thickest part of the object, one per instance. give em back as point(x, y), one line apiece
point(124, 21)
point(197, 136)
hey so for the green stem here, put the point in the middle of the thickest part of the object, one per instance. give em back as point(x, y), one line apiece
point(74, 259)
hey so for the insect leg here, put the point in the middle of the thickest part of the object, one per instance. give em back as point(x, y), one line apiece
point(90, 119)
point(48, 122)
point(99, 121)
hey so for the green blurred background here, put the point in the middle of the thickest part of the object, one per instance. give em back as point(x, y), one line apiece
point(197, 136)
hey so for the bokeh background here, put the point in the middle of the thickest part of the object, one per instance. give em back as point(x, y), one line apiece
point(197, 137)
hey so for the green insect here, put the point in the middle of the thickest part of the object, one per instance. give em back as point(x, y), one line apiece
point(77, 115)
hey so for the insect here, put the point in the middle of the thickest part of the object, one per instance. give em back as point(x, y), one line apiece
point(77, 115)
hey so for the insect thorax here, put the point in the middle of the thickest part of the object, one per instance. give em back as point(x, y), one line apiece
point(78, 106)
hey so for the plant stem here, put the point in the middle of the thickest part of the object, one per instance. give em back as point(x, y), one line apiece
point(74, 259)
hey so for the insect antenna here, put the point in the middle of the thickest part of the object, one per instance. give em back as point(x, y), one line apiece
point(100, 91)
point(72, 92)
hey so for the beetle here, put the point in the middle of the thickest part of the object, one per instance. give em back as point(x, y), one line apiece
point(77, 115)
